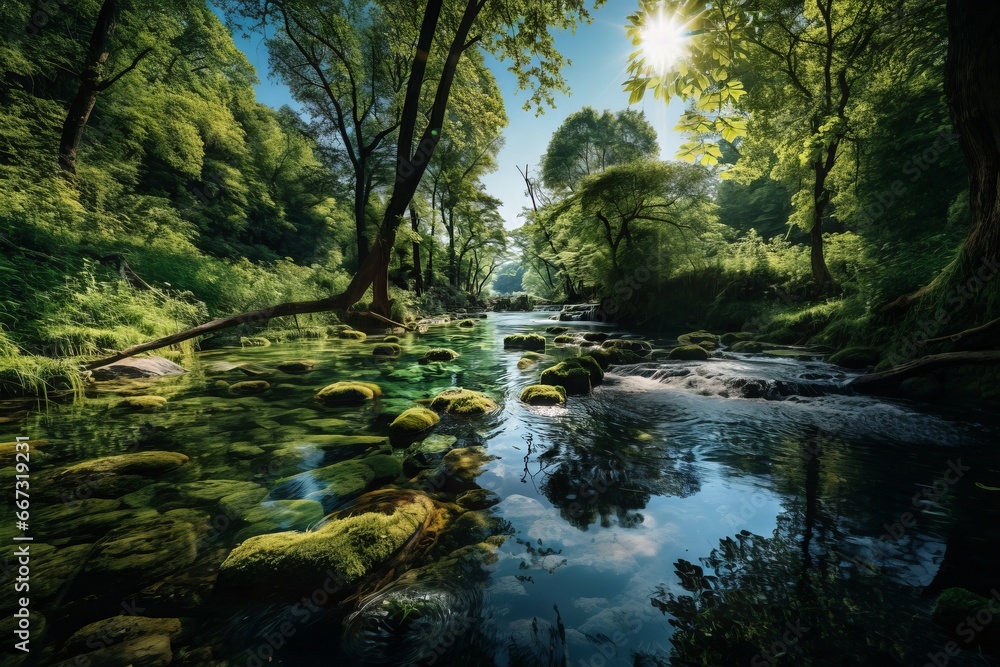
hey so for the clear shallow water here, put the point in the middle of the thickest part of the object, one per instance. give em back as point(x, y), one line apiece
point(605, 504)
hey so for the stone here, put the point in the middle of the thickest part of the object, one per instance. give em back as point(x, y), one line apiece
point(639, 347)
point(439, 354)
point(477, 499)
point(296, 367)
point(412, 422)
point(348, 393)
point(254, 341)
point(141, 403)
point(249, 387)
point(524, 342)
point(464, 403)
point(387, 350)
point(351, 334)
point(137, 367)
point(543, 394)
point(689, 353)
point(131, 557)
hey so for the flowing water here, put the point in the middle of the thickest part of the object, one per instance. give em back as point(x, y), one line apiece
point(741, 510)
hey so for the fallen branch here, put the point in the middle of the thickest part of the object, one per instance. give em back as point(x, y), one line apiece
point(384, 319)
point(876, 382)
point(991, 329)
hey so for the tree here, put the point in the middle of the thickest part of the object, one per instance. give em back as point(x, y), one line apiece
point(803, 63)
point(587, 143)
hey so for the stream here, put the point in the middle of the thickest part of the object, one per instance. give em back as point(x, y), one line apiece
point(748, 509)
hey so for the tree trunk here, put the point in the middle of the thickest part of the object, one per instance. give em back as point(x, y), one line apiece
point(91, 79)
point(418, 280)
point(360, 221)
point(452, 268)
point(821, 198)
point(972, 87)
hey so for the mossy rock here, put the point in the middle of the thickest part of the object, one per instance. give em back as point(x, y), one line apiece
point(460, 468)
point(249, 387)
point(391, 339)
point(689, 353)
point(856, 358)
point(526, 362)
point(699, 337)
point(427, 453)
point(254, 341)
point(277, 515)
point(141, 403)
point(344, 550)
point(134, 556)
point(524, 342)
point(296, 367)
point(351, 334)
point(464, 403)
point(385, 467)
point(148, 650)
point(621, 357)
point(556, 330)
point(118, 630)
point(572, 376)
point(595, 336)
point(439, 354)
point(601, 356)
point(565, 340)
point(543, 394)
point(639, 347)
point(748, 347)
point(387, 350)
point(467, 323)
point(736, 337)
point(211, 491)
point(113, 476)
point(348, 393)
point(413, 422)
point(477, 499)
point(957, 607)
point(52, 569)
point(330, 484)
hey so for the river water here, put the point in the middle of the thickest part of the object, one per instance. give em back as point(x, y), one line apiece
point(741, 510)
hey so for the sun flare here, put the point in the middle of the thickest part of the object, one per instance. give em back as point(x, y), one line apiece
point(664, 42)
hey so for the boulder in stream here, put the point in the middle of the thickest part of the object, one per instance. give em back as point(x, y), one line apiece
point(137, 367)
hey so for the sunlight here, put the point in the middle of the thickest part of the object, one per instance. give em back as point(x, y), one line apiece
point(664, 42)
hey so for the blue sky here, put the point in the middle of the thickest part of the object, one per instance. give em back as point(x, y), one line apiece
point(598, 52)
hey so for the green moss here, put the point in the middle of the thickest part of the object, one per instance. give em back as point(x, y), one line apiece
point(278, 515)
point(639, 347)
point(385, 467)
point(556, 330)
point(601, 356)
point(689, 353)
point(464, 403)
point(136, 555)
point(564, 340)
point(857, 358)
point(332, 483)
point(526, 362)
point(119, 630)
point(477, 499)
point(391, 339)
point(254, 341)
point(595, 336)
point(749, 347)
point(572, 376)
point(524, 342)
point(348, 393)
point(543, 394)
point(145, 403)
point(387, 350)
point(439, 354)
point(346, 549)
point(467, 323)
point(699, 337)
point(296, 367)
point(413, 422)
point(736, 337)
point(351, 334)
point(249, 387)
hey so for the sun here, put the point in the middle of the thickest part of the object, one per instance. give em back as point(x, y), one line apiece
point(664, 42)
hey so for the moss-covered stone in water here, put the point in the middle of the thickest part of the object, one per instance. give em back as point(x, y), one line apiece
point(113, 476)
point(956, 607)
point(526, 362)
point(296, 367)
point(131, 557)
point(333, 483)
point(464, 403)
point(427, 453)
point(387, 350)
point(391, 339)
point(145, 403)
point(211, 491)
point(439, 354)
point(118, 630)
point(524, 342)
point(351, 334)
point(467, 323)
point(249, 387)
point(413, 422)
point(345, 549)
point(595, 336)
point(556, 330)
point(385, 467)
point(748, 347)
point(52, 568)
point(689, 353)
point(277, 515)
point(565, 340)
point(698, 337)
point(543, 394)
point(254, 341)
point(856, 358)
point(736, 337)
point(640, 347)
point(460, 468)
point(574, 378)
point(477, 499)
point(601, 356)
point(348, 393)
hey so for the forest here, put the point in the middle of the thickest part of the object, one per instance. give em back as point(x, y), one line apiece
point(320, 322)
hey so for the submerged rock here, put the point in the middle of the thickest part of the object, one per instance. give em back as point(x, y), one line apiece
point(137, 367)
point(339, 482)
point(524, 342)
point(391, 339)
point(413, 422)
point(351, 334)
point(464, 403)
point(141, 403)
point(639, 347)
point(249, 387)
point(699, 338)
point(477, 499)
point(460, 468)
point(296, 367)
point(467, 323)
point(748, 347)
point(113, 476)
point(348, 393)
point(689, 353)
point(857, 358)
point(278, 515)
point(387, 350)
point(118, 630)
point(543, 394)
point(133, 556)
point(439, 354)
point(427, 453)
point(595, 336)
point(565, 340)
point(254, 341)
point(576, 375)
point(556, 330)
point(736, 337)
point(336, 555)
point(601, 356)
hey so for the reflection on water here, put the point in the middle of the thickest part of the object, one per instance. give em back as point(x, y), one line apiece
point(744, 510)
